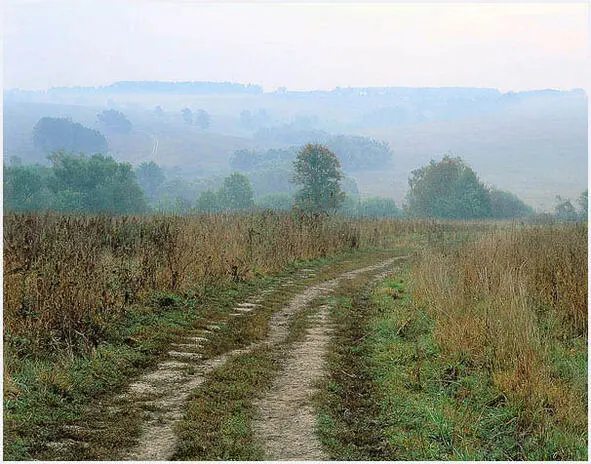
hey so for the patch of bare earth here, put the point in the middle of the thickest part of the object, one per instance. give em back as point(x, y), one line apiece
point(285, 423)
point(163, 394)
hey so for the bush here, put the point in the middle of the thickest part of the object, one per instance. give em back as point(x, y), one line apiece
point(279, 201)
point(506, 205)
point(378, 207)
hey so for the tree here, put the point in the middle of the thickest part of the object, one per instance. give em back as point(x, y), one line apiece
point(358, 153)
point(318, 171)
point(236, 193)
point(449, 189)
point(202, 119)
point(150, 176)
point(55, 134)
point(21, 184)
point(94, 184)
point(115, 120)
point(25, 188)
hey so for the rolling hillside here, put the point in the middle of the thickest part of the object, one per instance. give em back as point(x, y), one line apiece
point(531, 143)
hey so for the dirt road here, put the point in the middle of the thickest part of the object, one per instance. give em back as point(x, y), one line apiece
point(285, 420)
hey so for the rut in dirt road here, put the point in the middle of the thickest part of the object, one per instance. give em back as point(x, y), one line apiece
point(286, 421)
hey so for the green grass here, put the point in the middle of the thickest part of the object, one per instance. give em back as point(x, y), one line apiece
point(346, 412)
point(429, 410)
point(218, 421)
point(390, 395)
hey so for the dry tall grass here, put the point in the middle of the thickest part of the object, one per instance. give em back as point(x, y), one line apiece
point(67, 277)
point(501, 302)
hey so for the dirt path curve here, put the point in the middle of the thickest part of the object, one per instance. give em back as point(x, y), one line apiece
point(163, 393)
point(285, 424)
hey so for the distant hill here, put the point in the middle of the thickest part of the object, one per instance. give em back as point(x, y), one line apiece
point(169, 143)
point(152, 87)
point(533, 143)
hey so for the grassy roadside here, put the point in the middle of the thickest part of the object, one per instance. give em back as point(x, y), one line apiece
point(514, 305)
point(45, 393)
point(46, 396)
point(392, 395)
point(430, 409)
point(218, 423)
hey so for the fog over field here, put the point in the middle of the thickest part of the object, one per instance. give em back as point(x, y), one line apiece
point(312, 231)
point(498, 85)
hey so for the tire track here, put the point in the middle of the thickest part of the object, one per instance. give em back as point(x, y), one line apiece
point(286, 420)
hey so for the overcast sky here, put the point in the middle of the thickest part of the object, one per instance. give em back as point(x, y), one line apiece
point(510, 47)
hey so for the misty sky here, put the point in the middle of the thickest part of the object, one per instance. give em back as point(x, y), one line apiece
point(510, 47)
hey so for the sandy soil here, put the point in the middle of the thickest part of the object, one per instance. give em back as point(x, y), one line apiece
point(285, 423)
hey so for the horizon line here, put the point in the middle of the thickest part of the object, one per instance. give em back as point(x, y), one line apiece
point(282, 89)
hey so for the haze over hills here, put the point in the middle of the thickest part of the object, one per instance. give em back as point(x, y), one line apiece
point(532, 143)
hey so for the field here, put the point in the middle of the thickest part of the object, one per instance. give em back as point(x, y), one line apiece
point(237, 336)
point(518, 149)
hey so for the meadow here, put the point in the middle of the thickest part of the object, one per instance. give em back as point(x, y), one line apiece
point(67, 277)
point(476, 348)
point(477, 351)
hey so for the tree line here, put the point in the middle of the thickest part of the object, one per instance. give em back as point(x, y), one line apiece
point(445, 189)
point(74, 183)
point(355, 153)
